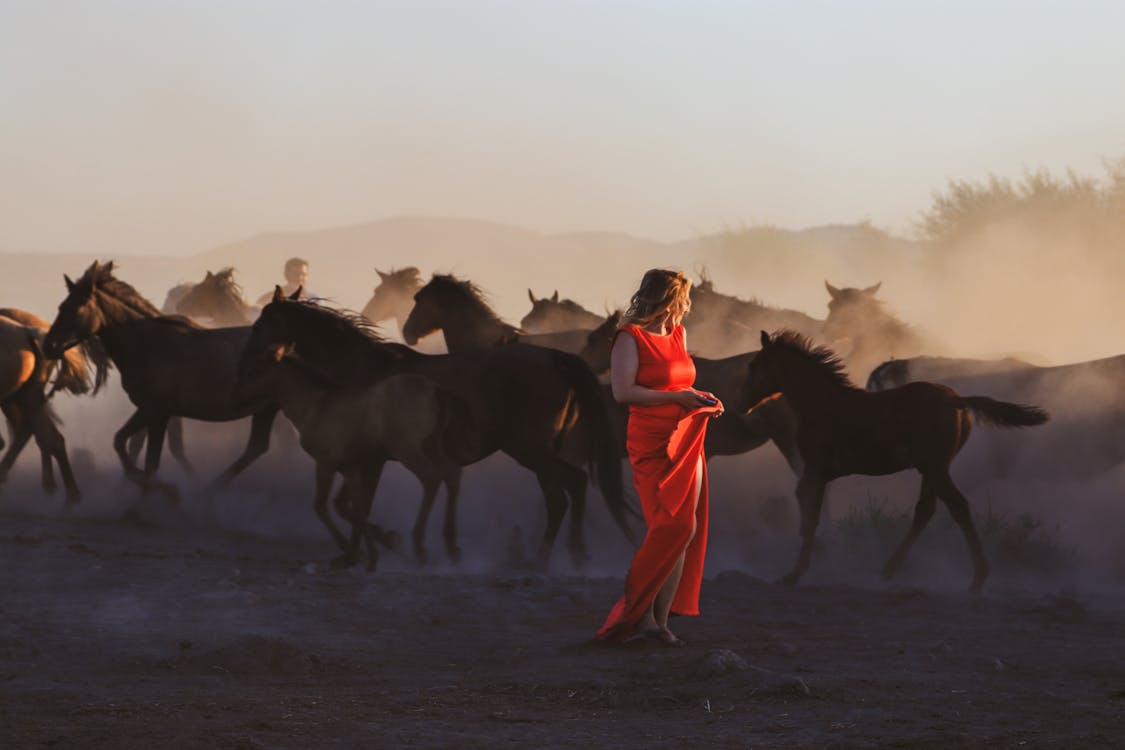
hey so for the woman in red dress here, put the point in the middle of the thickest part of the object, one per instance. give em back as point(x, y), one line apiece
point(653, 374)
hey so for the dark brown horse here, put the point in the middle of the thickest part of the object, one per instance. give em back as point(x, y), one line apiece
point(732, 434)
point(1085, 437)
point(723, 324)
point(541, 407)
point(215, 302)
point(459, 310)
point(394, 296)
point(25, 375)
point(551, 315)
point(843, 430)
point(169, 367)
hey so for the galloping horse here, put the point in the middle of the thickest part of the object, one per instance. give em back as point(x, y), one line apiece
point(541, 407)
point(24, 376)
point(169, 367)
point(551, 315)
point(723, 325)
point(394, 297)
point(355, 431)
point(458, 309)
point(731, 434)
point(860, 321)
point(1086, 435)
point(217, 300)
point(843, 430)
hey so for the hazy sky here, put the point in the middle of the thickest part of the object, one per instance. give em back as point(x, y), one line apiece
point(170, 127)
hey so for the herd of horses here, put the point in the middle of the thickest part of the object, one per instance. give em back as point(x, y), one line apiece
point(534, 391)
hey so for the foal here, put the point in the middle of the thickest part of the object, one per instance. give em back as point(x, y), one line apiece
point(843, 430)
point(355, 431)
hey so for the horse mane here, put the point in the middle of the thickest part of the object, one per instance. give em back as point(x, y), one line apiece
point(708, 287)
point(101, 277)
point(345, 324)
point(468, 291)
point(224, 280)
point(825, 360)
point(406, 274)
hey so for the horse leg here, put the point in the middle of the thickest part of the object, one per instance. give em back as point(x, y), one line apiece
point(20, 433)
point(361, 488)
point(430, 486)
point(923, 512)
point(135, 445)
point(157, 425)
point(959, 509)
point(449, 530)
point(52, 444)
point(576, 481)
point(256, 446)
point(810, 498)
point(132, 425)
point(555, 497)
point(324, 476)
point(176, 443)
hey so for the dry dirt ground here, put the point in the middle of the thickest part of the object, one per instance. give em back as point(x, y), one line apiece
point(119, 634)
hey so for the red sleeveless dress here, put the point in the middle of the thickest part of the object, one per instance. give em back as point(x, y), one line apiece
point(664, 442)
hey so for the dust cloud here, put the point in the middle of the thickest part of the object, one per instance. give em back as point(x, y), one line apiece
point(1029, 269)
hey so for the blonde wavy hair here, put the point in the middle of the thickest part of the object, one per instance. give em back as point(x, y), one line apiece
point(661, 292)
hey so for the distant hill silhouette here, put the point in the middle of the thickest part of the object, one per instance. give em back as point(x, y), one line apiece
point(596, 268)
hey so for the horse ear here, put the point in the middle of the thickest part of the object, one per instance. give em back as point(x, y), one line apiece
point(530, 295)
point(765, 339)
point(382, 276)
point(69, 283)
point(277, 295)
point(297, 294)
point(832, 290)
point(870, 291)
point(555, 296)
point(209, 276)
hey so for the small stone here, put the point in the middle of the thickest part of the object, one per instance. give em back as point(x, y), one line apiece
point(721, 661)
point(998, 665)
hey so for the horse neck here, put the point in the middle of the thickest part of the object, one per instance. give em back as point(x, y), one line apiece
point(298, 394)
point(807, 388)
point(473, 328)
point(117, 320)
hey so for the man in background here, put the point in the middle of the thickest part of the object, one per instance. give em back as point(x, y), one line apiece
point(296, 277)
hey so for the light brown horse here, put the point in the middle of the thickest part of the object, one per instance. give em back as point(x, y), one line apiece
point(25, 375)
point(860, 326)
point(355, 431)
point(217, 301)
point(844, 430)
point(169, 367)
point(541, 407)
point(394, 296)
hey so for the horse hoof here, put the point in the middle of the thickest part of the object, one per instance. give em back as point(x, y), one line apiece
point(789, 580)
point(72, 499)
point(392, 540)
point(342, 562)
point(454, 555)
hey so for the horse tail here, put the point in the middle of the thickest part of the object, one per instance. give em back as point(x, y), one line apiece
point(593, 420)
point(1004, 414)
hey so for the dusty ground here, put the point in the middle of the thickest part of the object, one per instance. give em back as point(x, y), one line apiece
point(117, 634)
